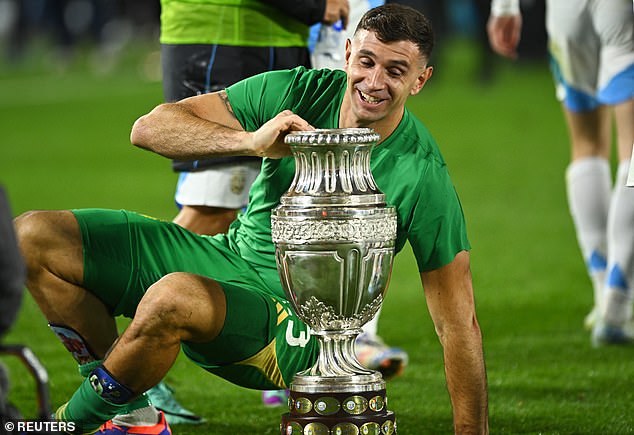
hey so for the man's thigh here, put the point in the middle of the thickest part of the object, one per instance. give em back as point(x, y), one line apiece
point(125, 253)
point(592, 51)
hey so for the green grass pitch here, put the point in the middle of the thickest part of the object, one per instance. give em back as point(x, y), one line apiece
point(64, 143)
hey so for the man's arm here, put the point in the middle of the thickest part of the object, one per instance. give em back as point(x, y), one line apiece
point(449, 295)
point(205, 126)
point(505, 27)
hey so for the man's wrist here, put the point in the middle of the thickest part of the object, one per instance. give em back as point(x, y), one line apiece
point(505, 7)
point(249, 146)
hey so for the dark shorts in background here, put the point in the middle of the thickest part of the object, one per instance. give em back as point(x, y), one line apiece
point(192, 69)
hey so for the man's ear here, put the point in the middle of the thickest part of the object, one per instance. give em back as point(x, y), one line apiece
point(348, 50)
point(422, 79)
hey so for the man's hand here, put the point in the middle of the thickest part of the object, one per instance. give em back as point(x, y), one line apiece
point(268, 140)
point(336, 10)
point(504, 34)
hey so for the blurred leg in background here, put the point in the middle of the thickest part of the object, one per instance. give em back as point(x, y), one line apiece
point(592, 53)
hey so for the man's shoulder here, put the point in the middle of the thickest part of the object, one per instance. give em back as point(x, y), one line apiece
point(324, 74)
point(302, 74)
point(305, 85)
point(307, 92)
point(415, 135)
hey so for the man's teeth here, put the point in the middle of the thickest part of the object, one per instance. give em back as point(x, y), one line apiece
point(369, 98)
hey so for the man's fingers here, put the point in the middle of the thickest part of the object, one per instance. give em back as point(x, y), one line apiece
point(345, 13)
point(299, 124)
point(504, 35)
point(268, 140)
point(336, 10)
point(293, 122)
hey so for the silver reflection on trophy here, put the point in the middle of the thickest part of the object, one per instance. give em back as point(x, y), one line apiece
point(334, 238)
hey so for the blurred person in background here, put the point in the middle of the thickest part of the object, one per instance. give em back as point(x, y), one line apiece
point(207, 45)
point(69, 26)
point(31, 16)
point(327, 43)
point(591, 45)
point(12, 276)
point(63, 22)
point(12, 271)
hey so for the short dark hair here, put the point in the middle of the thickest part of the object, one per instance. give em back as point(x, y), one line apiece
point(394, 22)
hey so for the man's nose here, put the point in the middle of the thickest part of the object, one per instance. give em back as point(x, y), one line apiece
point(376, 78)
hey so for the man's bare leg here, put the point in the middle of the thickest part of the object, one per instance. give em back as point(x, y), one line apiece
point(51, 245)
point(179, 307)
point(589, 188)
point(50, 242)
point(624, 118)
point(618, 294)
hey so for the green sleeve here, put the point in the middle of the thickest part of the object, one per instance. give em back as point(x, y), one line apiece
point(438, 229)
point(315, 95)
point(257, 99)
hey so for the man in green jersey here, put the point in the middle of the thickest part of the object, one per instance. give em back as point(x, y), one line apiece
point(220, 298)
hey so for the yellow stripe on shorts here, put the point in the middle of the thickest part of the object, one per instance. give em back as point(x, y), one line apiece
point(266, 361)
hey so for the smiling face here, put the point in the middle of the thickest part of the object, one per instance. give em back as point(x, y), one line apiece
point(380, 78)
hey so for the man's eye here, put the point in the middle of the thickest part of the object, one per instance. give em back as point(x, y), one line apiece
point(395, 72)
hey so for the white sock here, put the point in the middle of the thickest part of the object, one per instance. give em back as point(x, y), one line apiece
point(598, 285)
point(618, 292)
point(588, 183)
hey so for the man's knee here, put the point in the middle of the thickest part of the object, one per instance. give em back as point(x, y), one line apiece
point(39, 229)
point(29, 230)
point(184, 305)
point(162, 302)
point(48, 240)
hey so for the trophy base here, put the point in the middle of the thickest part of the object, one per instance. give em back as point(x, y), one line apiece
point(341, 413)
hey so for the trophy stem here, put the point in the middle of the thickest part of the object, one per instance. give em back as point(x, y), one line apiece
point(337, 367)
point(337, 355)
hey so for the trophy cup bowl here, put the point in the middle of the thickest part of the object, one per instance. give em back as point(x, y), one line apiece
point(334, 237)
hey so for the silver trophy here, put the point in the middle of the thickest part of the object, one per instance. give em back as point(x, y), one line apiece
point(334, 238)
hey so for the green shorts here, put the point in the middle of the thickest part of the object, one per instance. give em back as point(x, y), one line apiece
point(262, 343)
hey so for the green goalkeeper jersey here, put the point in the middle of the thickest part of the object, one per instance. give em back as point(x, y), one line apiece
point(248, 23)
point(407, 167)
